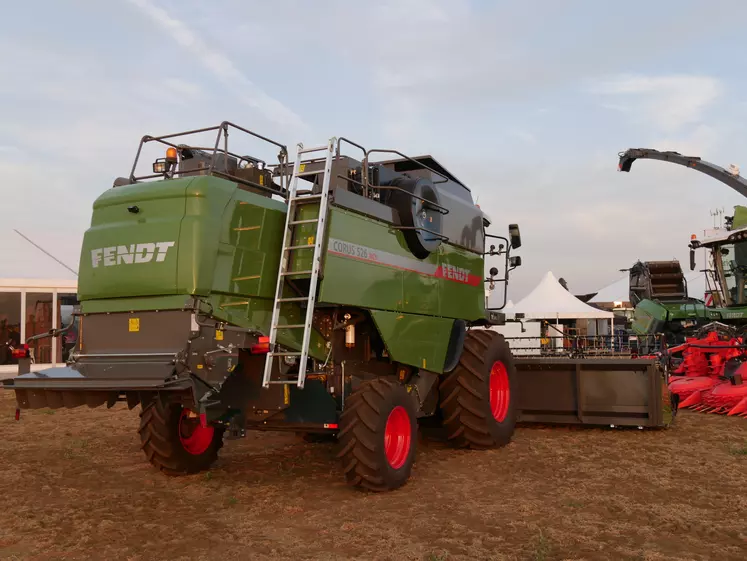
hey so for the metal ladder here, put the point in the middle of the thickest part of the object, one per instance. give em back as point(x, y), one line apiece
point(294, 199)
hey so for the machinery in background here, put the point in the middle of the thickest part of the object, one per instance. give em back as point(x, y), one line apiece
point(706, 344)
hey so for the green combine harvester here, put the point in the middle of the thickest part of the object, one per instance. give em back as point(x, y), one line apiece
point(658, 289)
point(329, 296)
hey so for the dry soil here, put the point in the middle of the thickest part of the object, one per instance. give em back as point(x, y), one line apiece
point(75, 485)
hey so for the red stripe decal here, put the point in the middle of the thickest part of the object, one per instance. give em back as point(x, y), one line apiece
point(365, 254)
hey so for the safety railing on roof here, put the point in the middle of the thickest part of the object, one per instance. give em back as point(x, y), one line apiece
point(219, 151)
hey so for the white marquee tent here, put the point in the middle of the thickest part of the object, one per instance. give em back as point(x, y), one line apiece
point(549, 300)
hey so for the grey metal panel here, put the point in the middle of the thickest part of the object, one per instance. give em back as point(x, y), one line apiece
point(346, 199)
point(102, 375)
point(591, 391)
point(166, 331)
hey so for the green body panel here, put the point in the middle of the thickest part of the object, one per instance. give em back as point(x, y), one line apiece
point(226, 251)
point(113, 226)
point(218, 233)
point(650, 316)
point(304, 234)
point(373, 268)
point(419, 341)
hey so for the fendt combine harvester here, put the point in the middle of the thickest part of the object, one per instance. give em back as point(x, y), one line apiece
point(328, 296)
point(712, 340)
point(342, 308)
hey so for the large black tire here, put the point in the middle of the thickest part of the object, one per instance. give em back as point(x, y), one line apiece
point(470, 419)
point(362, 438)
point(160, 426)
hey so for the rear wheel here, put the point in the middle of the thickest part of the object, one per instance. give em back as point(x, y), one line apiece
point(478, 399)
point(175, 442)
point(378, 434)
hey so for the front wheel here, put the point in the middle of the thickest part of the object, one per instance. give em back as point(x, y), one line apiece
point(478, 398)
point(174, 441)
point(378, 433)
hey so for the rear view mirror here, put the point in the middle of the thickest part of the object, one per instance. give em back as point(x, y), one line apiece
point(514, 235)
point(514, 262)
point(692, 259)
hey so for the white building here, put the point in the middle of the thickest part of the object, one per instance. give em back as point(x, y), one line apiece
point(30, 307)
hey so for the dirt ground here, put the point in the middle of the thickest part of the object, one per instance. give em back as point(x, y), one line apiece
point(74, 485)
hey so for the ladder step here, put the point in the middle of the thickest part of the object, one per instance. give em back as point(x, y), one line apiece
point(307, 246)
point(294, 299)
point(310, 221)
point(306, 198)
point(307, 173)
point(289, 273)
point(315, 149)
point(285, 354)
point(295, 380)
point(290, 326)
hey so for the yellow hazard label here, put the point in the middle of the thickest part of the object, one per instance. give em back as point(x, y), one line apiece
point(301, 168)
point(310, 240)
point(261, 179)
point(423, 363)
point(199, 367)
point(219, 335)
point(134, 324)
point(286, 394)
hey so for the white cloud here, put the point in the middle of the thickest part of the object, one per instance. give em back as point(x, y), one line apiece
point(669, 102)
point(221, 66)
point(701, 141)
point(523, 135)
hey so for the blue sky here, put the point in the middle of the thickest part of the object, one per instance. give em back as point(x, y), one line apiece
point(528, 103)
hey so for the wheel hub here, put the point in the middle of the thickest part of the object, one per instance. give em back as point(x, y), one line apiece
point(194, 437)
point(397, 437)
point(500, 391)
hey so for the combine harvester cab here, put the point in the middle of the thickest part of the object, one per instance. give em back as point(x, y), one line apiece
point(330, 296)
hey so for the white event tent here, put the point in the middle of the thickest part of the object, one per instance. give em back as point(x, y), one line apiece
point(549, 300)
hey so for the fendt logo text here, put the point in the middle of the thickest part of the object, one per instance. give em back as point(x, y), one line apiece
point(455, 273)
point(127, 255)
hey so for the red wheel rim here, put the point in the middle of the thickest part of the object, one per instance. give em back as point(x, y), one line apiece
point(397, 435)
point(500, 391)
point(194, 437)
